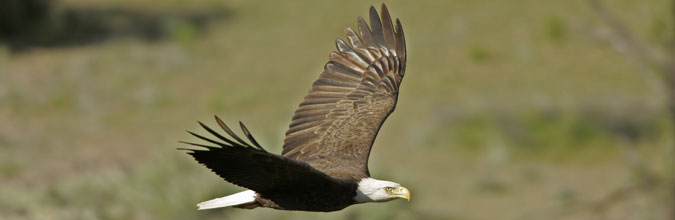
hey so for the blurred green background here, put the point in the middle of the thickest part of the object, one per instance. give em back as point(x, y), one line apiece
point(509, 109)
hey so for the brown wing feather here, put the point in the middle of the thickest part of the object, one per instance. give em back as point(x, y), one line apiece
point(334, 127)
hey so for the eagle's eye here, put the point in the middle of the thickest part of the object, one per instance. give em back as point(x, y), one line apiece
point(389, 189)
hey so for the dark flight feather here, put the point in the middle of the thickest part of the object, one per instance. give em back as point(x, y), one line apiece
point(250, 137)
point(229, 131)
point(251, 166)
point(376, 27)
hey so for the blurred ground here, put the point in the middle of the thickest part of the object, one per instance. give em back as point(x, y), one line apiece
point(509, 110)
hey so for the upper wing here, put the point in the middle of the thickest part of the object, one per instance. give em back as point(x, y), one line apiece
point(251, 166)
point(335, 126)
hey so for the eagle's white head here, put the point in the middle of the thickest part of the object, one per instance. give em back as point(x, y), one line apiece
point(372, 190)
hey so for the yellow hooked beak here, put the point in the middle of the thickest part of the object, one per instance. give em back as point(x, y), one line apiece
point(401, 192)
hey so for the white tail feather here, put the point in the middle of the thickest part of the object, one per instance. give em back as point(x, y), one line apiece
point(240, 198)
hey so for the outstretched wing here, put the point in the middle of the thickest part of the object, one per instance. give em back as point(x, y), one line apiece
point(252, 167)
point(334, 127)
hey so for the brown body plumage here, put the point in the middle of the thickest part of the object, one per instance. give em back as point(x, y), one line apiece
point(325, 153)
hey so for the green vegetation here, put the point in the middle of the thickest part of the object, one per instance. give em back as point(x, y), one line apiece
point(509, 110)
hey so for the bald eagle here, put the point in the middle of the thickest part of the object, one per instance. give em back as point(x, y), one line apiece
point(324, 163)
